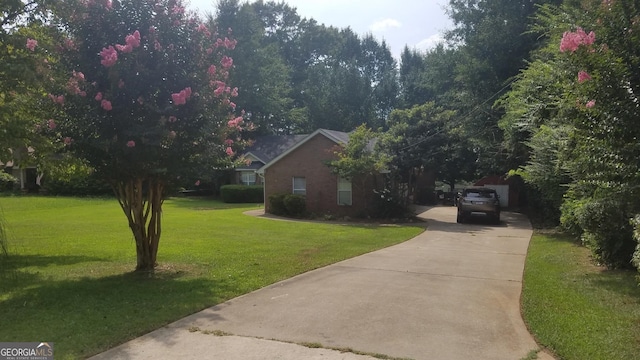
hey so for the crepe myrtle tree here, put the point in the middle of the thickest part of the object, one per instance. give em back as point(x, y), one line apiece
point(145, 100)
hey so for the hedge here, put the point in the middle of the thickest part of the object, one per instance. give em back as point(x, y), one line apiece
point(237, 194)
point(288, 205)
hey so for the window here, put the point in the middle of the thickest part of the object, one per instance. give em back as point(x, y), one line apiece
point(344, 192)
point(248, 177)
point(300, 186)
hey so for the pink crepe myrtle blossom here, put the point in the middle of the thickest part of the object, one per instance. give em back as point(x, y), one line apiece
point(230, 44)
point(51, 124)
point(212, 70)
point(69, 44)
point(236, 122)
point(228, 142)
point(571, 41)
point(172, 119)
point(229, 151)
point(109, 56)
point(67, 140)
point(73, 86)
point(124, 48)
point(590, 104)
point(177, 10)
point(226, 62)
point(133, 40)
point(157, 46)
point(131, 143)
point(181, 97)
point(234, 92)
point(106, 105)
point(31, 44)
point(140, 100)
point(98, 96)
point(583, 76)
point(57, 99)
point(197, 183)
point(232, 104)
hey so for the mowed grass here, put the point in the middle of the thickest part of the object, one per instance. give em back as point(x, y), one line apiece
point(576, 309)
point(74, 259)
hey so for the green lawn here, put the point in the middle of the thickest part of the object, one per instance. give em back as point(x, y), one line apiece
point(578, 310)
point(75, 257)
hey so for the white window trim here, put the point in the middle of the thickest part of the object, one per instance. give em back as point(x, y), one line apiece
point(299, 191)
point(248, 173)
point(349, 191)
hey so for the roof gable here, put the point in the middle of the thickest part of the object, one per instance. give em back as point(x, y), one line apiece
point(267, 148)
point(338, 137)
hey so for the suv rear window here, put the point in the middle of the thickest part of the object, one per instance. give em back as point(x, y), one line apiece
point(479, 194)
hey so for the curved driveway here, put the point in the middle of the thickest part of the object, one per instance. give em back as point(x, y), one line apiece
point(453, 292)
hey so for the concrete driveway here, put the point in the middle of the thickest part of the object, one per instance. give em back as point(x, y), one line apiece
point(452, 292)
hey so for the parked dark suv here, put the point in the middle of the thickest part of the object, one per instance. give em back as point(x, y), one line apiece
point(478, 200)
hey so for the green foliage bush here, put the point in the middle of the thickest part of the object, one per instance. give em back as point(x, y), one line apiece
point(608, 231)
point(569, 219)
point(73, 177)
point(288, 205)
point(79, 185)
point(387, 204)
point(295, 205)
point(7, 181)
point(276, 204)
point(242, 194)
point(635, 260)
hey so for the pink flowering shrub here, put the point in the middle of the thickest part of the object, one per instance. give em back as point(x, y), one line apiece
point(571, 41)
point(109, 56)
point(31, 44)
point(583, 76)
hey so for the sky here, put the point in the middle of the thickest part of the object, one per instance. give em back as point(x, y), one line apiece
point(416, 23)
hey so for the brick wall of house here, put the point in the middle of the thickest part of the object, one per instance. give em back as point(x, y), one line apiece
point(309, 161)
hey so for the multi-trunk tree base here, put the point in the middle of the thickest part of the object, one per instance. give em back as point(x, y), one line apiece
point(141, 200)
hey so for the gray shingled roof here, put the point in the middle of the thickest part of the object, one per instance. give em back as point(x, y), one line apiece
point(267, 148)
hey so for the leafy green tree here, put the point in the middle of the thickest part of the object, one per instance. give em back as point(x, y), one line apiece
point(575, 107)
point(493, 43)
point(357, 158)
point(259, 67)
point(428, 76)
point(23, 68)
point(146, 102)
point(361, 162)
point(426, 139)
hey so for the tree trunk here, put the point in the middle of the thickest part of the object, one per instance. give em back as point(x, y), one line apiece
point(141, 200)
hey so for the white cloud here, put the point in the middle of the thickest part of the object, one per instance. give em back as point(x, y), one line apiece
point(430, 42)
point(385, 24)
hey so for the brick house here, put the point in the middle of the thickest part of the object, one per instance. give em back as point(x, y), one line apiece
point(302, 169)
point(263, 150)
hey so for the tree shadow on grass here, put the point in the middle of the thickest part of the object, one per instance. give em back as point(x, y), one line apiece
point(205, 203)
point(90, 315)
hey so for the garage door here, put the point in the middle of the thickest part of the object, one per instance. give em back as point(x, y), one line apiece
point(503, 192)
